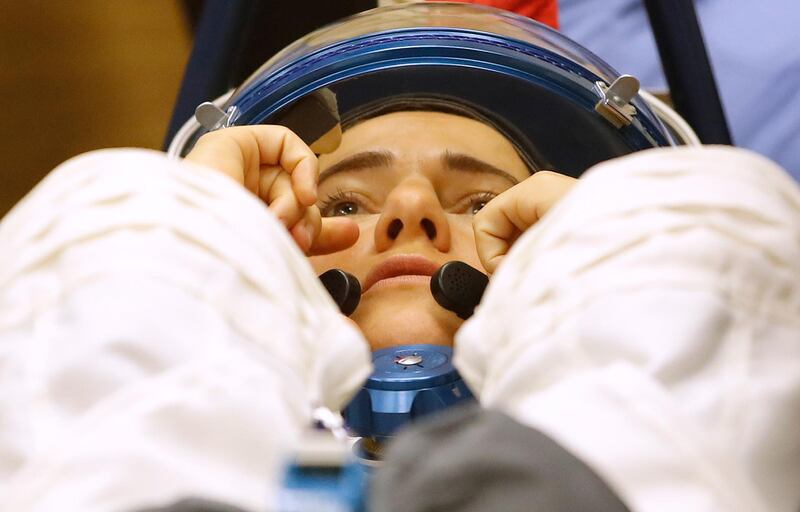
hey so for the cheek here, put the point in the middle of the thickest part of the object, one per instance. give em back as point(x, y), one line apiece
point(463, 242)
point(327, 262)
point(347, 260)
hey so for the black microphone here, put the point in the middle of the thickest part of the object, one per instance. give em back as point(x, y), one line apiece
point(344, 288)
point(457, 287)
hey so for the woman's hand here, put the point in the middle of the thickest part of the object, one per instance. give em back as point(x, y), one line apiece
point(278, 167)
point(498, 224)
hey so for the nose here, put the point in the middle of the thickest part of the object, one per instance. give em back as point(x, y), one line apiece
point(412, 211)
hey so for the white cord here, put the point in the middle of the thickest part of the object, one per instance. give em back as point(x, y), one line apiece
point(671, 118)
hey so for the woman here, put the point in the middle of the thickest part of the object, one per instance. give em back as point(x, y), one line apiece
point(398, 197)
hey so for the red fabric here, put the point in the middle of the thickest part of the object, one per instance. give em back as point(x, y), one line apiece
point(545, 11)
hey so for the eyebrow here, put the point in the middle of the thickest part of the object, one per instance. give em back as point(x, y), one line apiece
point(466, 163)
point(357, 162)
point(451, 160)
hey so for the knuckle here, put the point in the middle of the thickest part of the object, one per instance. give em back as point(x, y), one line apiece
point(210, 136)
point(546, 177)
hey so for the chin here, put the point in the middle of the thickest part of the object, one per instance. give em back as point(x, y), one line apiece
point(388, 320)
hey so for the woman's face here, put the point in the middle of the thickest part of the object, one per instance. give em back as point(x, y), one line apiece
point(412, 182)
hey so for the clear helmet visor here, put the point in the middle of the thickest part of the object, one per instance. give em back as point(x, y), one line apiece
point(561, 106)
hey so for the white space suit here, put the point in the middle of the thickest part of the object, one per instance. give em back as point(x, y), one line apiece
point(161, 336)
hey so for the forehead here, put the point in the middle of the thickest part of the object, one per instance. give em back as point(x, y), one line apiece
point(423, 134)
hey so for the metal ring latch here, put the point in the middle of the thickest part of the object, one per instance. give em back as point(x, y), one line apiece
point(615, 105)
point(210, 116)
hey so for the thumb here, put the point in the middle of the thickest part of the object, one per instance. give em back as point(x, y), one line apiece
point(335, 234)
point(317, 235)
point(498, 225)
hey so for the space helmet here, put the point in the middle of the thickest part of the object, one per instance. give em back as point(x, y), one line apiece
point(562, 107)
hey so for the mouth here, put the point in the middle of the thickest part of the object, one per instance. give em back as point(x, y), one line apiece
point(401, 268)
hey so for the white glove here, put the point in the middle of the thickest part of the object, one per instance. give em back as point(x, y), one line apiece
point(160, 336)
point(650, 323)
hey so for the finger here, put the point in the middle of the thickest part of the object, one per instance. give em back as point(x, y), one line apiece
point(240, 151)
point(252, 180)
point(306, 228)
point(501, 221)
point(317, 235)
point(280, 146)
point(219, 150)
point(276, 190)
point(336, 234)
point(494, 234)
point(498, 225)
point(549, 187)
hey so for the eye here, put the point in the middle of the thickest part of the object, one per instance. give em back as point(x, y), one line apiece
point(343, 208)
point(477, 206)
point(341, 204)
point(474, 203)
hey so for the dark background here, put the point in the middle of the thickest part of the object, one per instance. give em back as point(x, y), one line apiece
point(89, 74)
point(76, 76)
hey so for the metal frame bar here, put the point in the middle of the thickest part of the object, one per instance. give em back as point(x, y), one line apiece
point(687, 68)
point(219, 38)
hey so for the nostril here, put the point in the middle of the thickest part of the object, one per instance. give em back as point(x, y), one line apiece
point(429, 227)
point(394, 228)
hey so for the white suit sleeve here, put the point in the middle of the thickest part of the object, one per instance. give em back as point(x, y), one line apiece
point(650, 324)
point(160, 336)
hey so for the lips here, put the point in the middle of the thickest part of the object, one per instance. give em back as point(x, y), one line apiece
point(400, 265)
